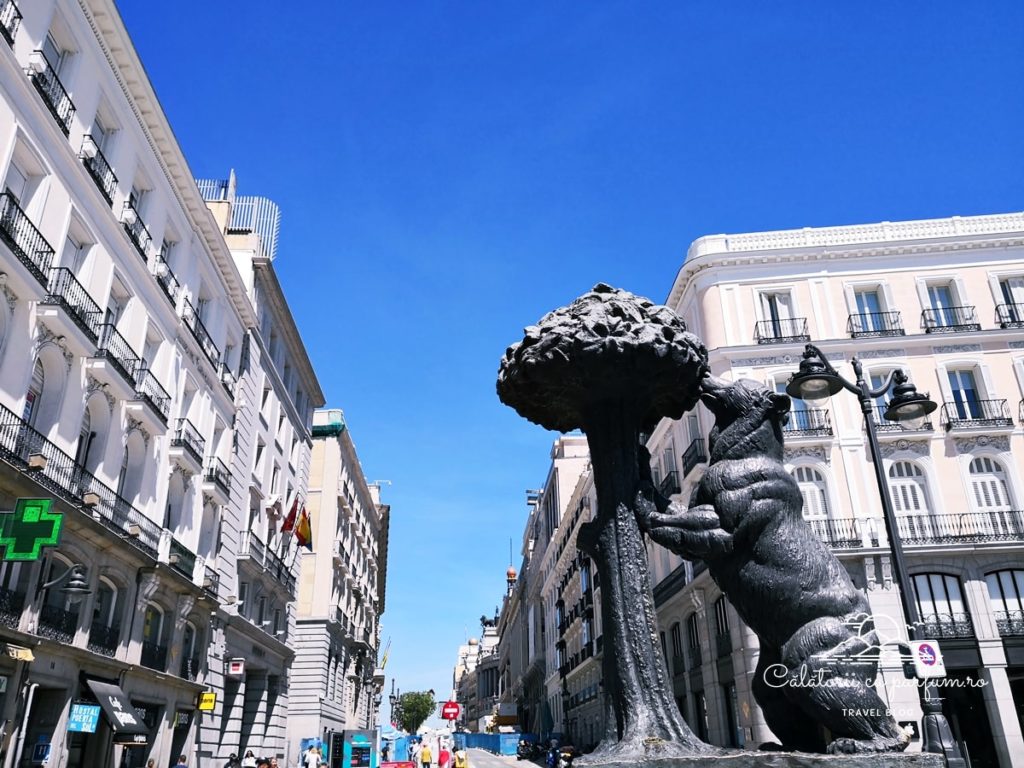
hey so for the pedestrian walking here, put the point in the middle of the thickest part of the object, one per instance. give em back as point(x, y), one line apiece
point(249, 761)
point(233, 761)
point(312, 757)
point(443, 757)
point(182, 762)
point(426, 758)
point(461, 761)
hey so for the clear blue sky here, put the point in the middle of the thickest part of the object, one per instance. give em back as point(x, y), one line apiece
point(448, 172)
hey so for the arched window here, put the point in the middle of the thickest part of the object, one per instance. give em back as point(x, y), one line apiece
point(189, 654)
point(105, 630)
point(93, 433)
point(941, 605)
point(85, 437)
point(154, 647)
point(910, 501)
point(58, 614)
point(693, 641)
point(133, 466)
point(988, 485)
point(815, 495)
point(34, 396)
point(175, 502)
point(1006, 591)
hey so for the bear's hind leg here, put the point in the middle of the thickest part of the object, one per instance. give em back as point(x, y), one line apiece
point(787, 720)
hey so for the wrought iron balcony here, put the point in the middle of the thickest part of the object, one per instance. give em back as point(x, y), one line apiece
point(49, 86)
point(136, 230)
point(217, 473)
point(11, 605)
point(190, 667)
point(871, 325)
point(1010, 315)
point(808, 422)
point(191, 318)
point(10, 18)
point(116, 349)
point(66, 292)
point(782, 331)
point(166, 279)
point(187, 436)
point(25, 241)
point(103, 639)
point(843, 533)
point(57, 624)
point(154, 656)
point(696, 658)
point(965, 527)
point(182, 559)
point(694, 455)
point(63, 477)
point(669, 484)
point(882, 424)
point(1010, 623)
point(723, 644)
point(976, 413)
point(950, 320)
point(269, 560)
point(150, 391)
point(98, 167)
point(946, 625)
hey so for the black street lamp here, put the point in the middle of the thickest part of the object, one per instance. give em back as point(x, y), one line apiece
point(817, 381)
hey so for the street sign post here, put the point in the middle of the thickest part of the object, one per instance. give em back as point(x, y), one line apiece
point(927, 659)
point(450, 710)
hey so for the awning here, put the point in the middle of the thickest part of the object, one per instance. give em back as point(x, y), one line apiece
point(118, 710)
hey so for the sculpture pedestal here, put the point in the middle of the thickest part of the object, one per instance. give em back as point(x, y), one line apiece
point(752, 759)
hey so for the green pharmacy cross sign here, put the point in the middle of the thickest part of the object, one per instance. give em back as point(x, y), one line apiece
point(29, 528)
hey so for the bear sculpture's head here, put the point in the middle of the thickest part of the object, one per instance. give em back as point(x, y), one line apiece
point(744, 409)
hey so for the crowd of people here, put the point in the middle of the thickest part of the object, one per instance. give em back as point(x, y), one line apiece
point(423, 756)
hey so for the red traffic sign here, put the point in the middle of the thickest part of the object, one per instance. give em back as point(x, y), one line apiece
point(450, 710)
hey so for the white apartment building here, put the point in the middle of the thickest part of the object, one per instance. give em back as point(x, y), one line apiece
point(120, 309)
point(944, 300)
point(336, 684)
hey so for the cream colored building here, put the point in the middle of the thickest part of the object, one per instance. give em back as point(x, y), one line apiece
point(944, 300)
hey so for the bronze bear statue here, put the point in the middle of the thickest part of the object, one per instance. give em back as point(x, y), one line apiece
point(819, 654)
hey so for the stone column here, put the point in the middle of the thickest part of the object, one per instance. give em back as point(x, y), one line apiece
point(751, 719)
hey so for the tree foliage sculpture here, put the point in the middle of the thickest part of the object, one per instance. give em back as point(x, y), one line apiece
point(414, 707)
point(612, 364)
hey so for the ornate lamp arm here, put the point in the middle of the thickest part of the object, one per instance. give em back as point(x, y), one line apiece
point(812, 351)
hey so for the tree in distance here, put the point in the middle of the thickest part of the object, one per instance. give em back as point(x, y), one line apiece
point(414, 708)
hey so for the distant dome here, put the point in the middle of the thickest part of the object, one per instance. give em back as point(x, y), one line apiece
point(510, 574)
point(474, 641)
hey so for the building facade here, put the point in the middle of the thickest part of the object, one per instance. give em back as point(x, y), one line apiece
point(336, 682)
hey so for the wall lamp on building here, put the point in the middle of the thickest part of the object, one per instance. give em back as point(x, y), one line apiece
point(74, 583)
point(815, 382)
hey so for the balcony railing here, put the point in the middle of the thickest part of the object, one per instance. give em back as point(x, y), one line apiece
point(62, 476)
point(723, 644)
point(116, 349)
point(98, 167)
point(808, 421)
point(882, 424)
point(271, 562)
point(57, 624)
point(696, 659)
point(976, 413)
point(154, 656)
point(25, 241)
point(189, 667)
point(966, 527)
point(66, 292)
point(1010, 315)
point(844, 532)
point(150, 391)
point(10, 18)
point(950, 320)
point(166, 279)
point(182, 558)
point(56, 98)
point(191, 318)
point(943, 625)
point(11, 605)
point(103, 639)
point(669, 484)
point(217, 473)
point(1010, 623)
point(187, 436)
point(694, 455)
point(870, 325)
point(136, 229)
point(781, 331)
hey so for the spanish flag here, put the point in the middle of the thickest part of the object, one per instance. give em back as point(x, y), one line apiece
point(304, 530)
point(289, 521)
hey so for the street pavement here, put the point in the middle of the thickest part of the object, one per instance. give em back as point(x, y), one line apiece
point(479, 758)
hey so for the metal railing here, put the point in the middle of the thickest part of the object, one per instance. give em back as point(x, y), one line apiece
point(136, 229)
point(66, 292)
point(182, 558)
point(1010, 315)
point(270, 561)
point(976, 413)
point(11, 605)
point(868, 325)
point(781, 331)
point(103, 639)
point(669, 484)
point(154, 656)
point(25, 241)
point(808, 421)
point(845, 532)
point(150, 391)
point(883, 424)
point(61, 475)
point(10, 18)
point(966, 527)
point(195, 324)
point(49, 86)
point(96, 164)
point(189, 667)
point(950, 319)
point(116, 349)
point(57, 624)
point(694, 455)
point(1010, 623)
point(942, 625)
point(218, 474)
point(165, 278)
point(187, 436)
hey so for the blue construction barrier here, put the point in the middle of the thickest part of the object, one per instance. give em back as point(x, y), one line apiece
point(497, 743)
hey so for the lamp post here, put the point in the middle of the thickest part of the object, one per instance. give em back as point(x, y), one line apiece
point(815, 382)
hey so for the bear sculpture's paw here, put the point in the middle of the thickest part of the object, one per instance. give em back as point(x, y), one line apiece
point(846, 746)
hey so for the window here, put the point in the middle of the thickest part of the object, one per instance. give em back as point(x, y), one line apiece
point(24, 180)
point(815, 495)
point(942, 303)
point(1011, 291)
point(137, 196)
point(692, 632)
point(664, 647)
point(964, 389)
point(941, 606)
point(152, 626)
point(776, 307)
point(721, 617)
point(677, 641)
point(988, 485)
point(56, 55)
point(870, 317)
point(34, 395)
point(1006, 591)
point(243, 598)
point(85, 438)
point(104, 607)
point(73, 254)
point(102, 134)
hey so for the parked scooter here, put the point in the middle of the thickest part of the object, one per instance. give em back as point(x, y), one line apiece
point(525, 750)
point(565, 756)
